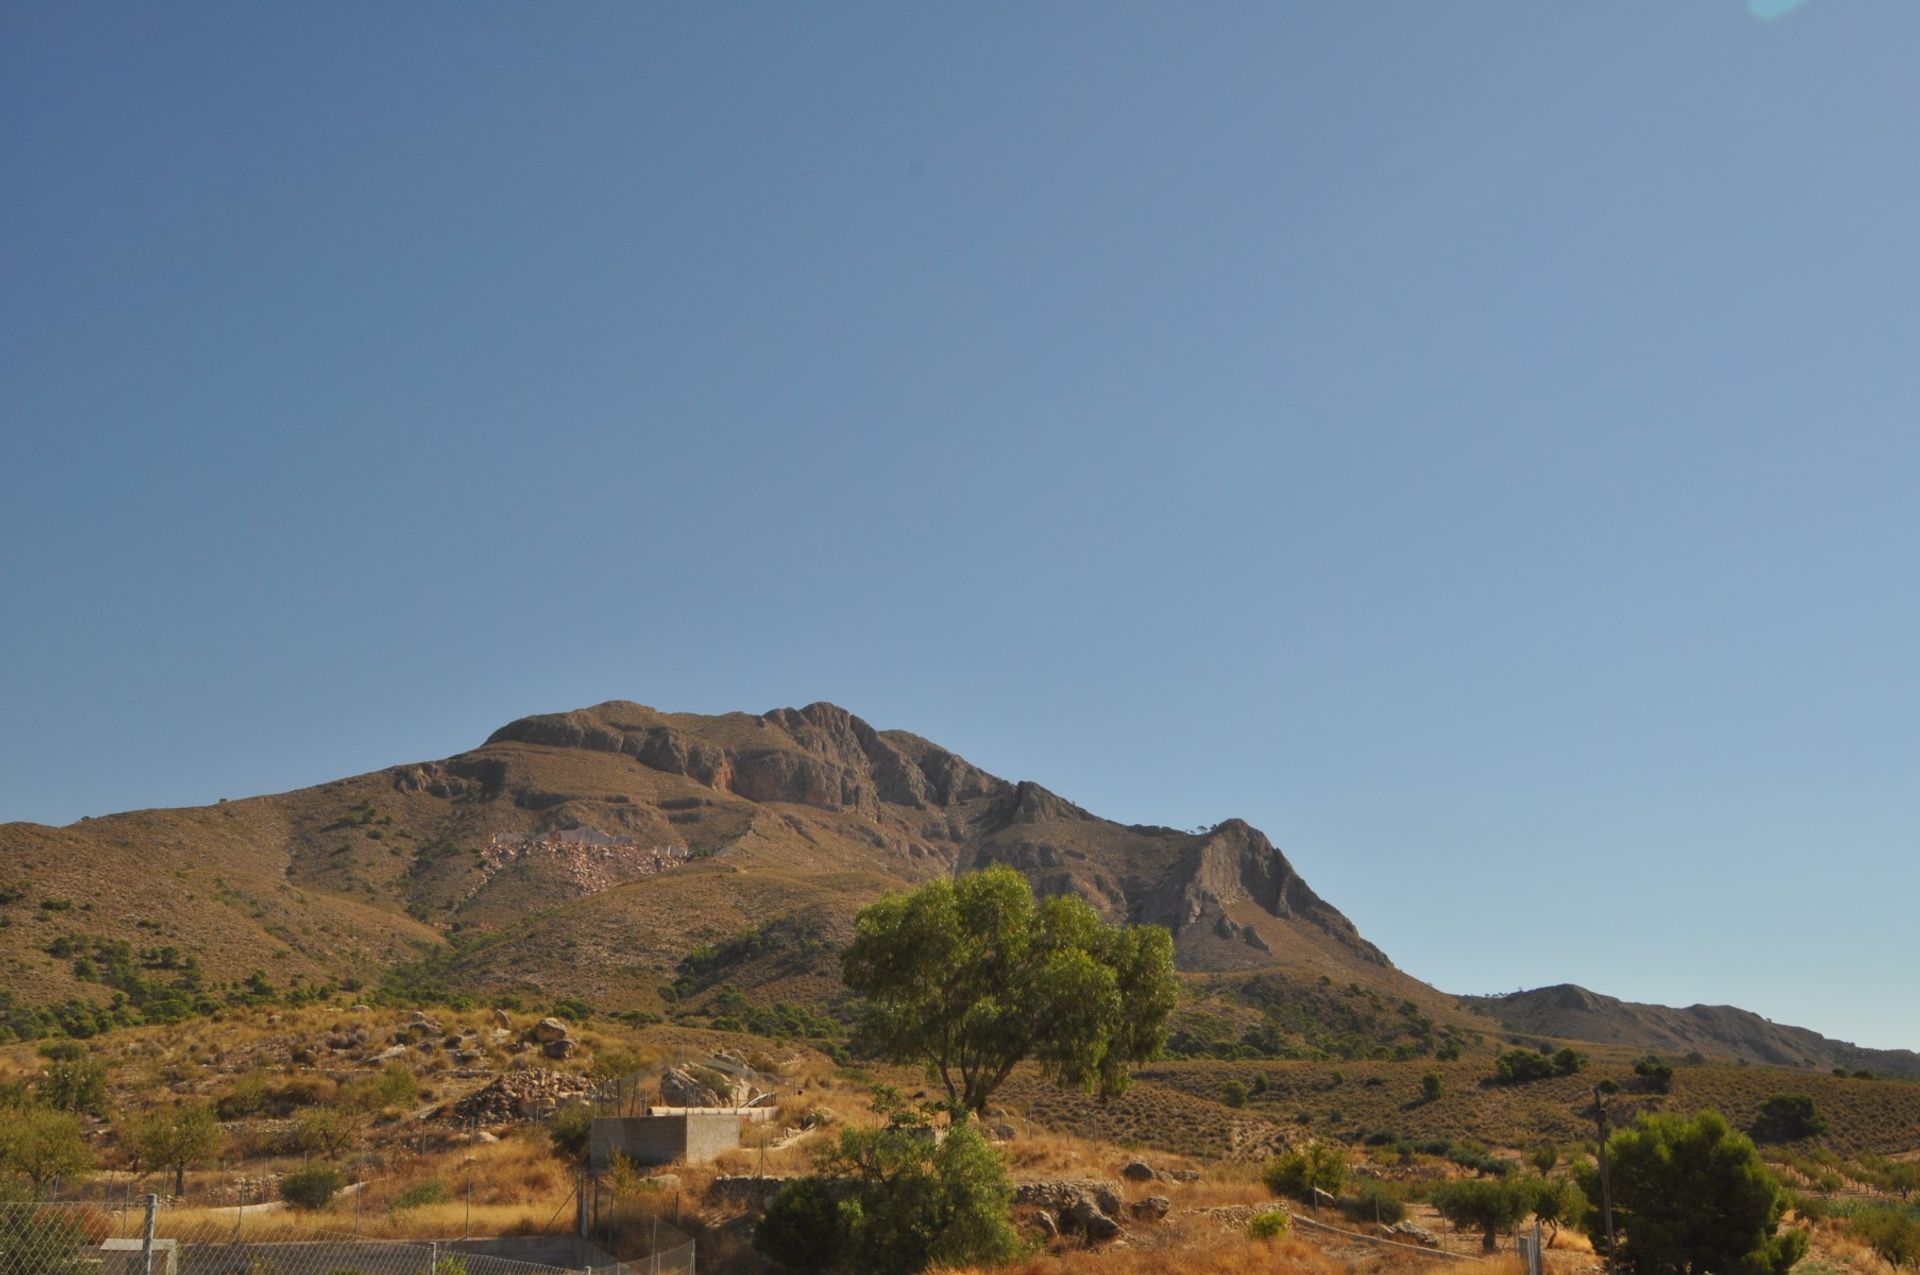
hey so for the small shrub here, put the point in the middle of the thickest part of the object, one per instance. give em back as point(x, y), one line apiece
point(1270, 1225)
point(572, 1130)
point(312, 1187)
point(432, 1191)
point(1234, 1094)
point(1297, 1174)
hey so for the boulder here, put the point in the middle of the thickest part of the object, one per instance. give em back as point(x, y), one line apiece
point(1091, 1221)
point(562, 1048)
point(1151, 1209)
point(548, 1030)
point(1410, 1230)
point(1186, 1175)
point(1048, 1227)
point(1108, 1200)
point(501, 1020)
point(1001, 1132)
point(1138, 1171)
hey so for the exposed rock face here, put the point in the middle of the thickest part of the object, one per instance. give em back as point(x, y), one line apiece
point(1234, 864)
point(820, 755)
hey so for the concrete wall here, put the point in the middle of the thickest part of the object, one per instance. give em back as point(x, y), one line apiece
point(650, 1140)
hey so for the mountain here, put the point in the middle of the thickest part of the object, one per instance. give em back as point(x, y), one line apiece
point(624, 856)
point(1569, 1012)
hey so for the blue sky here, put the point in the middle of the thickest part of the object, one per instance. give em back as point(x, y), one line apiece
point(1474, 443)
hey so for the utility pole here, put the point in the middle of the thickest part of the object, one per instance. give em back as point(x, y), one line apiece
point(1606, 1175)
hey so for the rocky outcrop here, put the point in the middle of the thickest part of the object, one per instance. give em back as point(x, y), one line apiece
point(820, 755)
point(1235, 863)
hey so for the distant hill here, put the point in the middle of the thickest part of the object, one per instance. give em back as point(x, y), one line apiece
point(1716, 1031)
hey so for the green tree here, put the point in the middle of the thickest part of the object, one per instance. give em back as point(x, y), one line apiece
point(43, 1145)
point(1300, 1173)
point(1430, 1086)
point(1788, 1118)
point(178, 1138)
point(328, 1131)
point(895, 1200)
point(970, 976)
point(1557, 1202)
point(1544, 1156)
point(1491, 1206)
point(1233, 1094)
point(1655, 1075)
point(1691, 1197)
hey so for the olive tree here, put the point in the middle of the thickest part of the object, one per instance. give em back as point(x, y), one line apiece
point(970, 975)
point(178, 1139)
point(1491, 1206)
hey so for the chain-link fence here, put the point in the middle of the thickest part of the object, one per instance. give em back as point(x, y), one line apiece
point(91, 1239)
point(629, 1226)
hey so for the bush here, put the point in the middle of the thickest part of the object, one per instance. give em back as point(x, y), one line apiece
point(1518, 1066)
point(1788, 1118)
point(77, 1085)
point(312, 1187)
point(1300, 1172)
point(890, 1201)
point(1655, 1076)
point(1234, 1094)
point(1375, 1201)
point(572, 1130)
point(396, 1086)
point(432, 1191)
point(1891, 1233)
point(803, 1227)
point(1430, 1086)
point(1269, 1225)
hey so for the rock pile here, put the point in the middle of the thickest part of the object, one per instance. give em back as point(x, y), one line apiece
point(517, 1095)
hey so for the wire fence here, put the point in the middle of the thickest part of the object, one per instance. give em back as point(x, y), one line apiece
point(91, 1239)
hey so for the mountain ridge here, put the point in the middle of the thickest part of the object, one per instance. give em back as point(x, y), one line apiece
point(591, 852)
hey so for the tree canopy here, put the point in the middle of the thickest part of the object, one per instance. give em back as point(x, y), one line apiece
point(895, 1200)
point(1692, 1197)
point(971, 975)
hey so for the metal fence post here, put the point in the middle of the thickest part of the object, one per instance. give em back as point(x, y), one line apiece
point(146, 1236)
point(433, 1257)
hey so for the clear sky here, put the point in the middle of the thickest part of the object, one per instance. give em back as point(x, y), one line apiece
point(1473, 442)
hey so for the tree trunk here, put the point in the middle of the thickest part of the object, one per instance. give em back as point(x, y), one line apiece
point(179, 1179)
